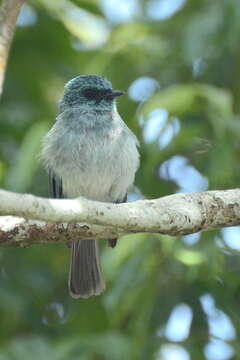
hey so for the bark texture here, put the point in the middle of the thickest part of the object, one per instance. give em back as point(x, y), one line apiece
point(57, 220)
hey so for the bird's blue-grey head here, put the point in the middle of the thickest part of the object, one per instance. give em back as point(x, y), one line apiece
point(89, 90)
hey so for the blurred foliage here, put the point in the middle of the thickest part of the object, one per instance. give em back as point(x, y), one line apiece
point(193, 55)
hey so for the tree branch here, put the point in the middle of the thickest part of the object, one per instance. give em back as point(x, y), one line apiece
point(177, 214)
point(9, 11)
point(19, 232)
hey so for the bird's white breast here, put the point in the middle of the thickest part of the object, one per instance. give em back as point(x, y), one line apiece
point(97, 159)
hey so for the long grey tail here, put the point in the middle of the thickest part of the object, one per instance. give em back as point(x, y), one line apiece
point(85, 275)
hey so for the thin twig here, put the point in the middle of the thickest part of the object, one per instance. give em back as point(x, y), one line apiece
point(9, 11)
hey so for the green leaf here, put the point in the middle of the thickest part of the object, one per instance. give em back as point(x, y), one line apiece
point(181, 99)
point(91, 30)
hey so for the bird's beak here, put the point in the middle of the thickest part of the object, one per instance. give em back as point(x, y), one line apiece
point(116, 93)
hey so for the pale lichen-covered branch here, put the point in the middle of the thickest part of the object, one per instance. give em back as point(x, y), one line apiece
point(19, 232)
point(53, 220)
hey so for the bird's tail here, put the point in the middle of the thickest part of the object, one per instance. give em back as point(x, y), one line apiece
point(85, 275)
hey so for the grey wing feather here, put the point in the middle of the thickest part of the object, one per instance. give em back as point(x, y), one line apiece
point(113, 242)
point(55, 186)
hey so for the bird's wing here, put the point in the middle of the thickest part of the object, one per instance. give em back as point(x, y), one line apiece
point(55, 186)
point(113, 242)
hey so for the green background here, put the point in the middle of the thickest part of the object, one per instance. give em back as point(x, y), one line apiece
point(167, 298)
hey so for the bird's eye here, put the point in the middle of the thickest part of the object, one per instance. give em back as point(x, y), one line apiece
point(89, 93)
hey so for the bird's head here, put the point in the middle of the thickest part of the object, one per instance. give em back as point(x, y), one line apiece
point(91, 90)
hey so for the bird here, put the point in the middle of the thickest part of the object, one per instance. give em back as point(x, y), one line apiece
point(90, 152)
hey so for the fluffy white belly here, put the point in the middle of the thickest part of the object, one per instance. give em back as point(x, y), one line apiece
point(102, 173)
point(94, 159)
point(95, 187)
